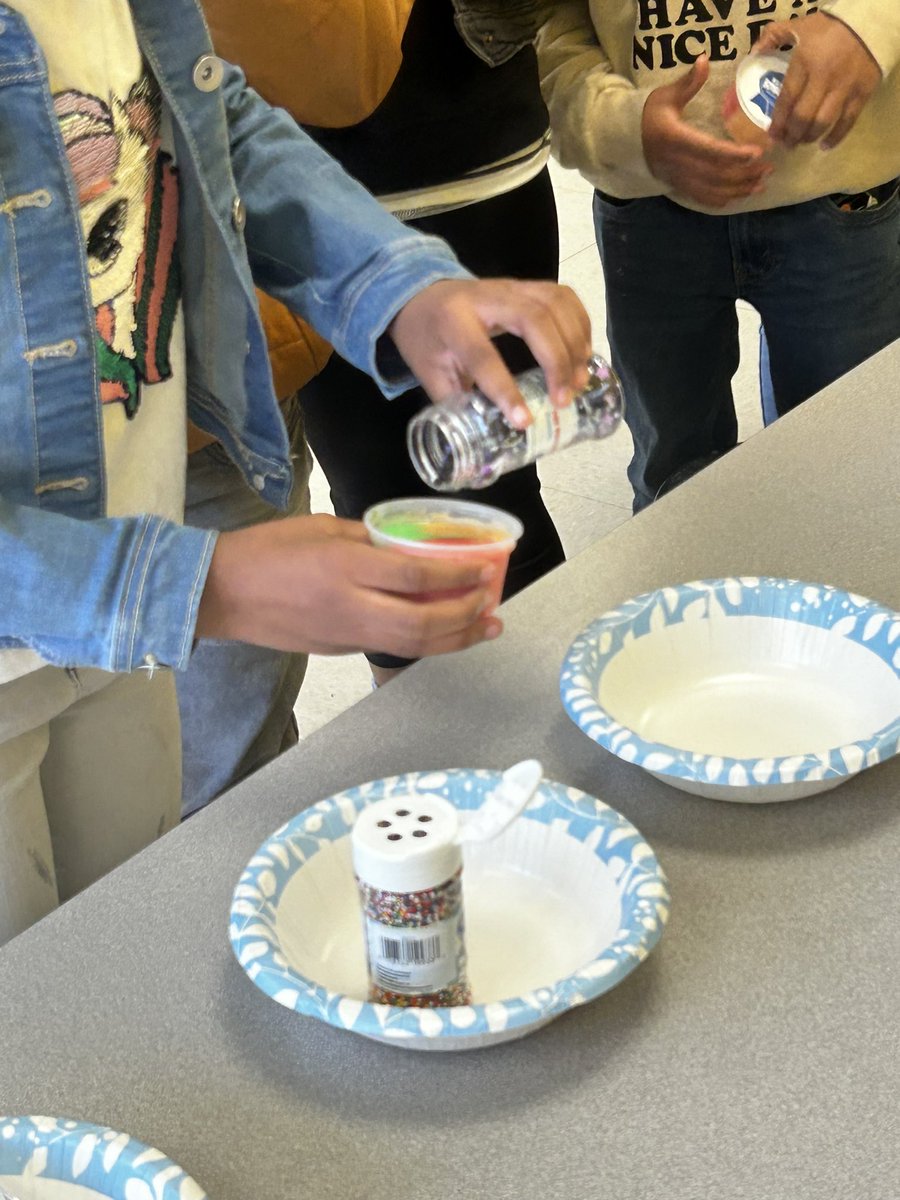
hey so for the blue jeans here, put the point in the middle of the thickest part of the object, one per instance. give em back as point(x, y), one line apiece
point(236, 701)
point(767, 395)
point(825, 282)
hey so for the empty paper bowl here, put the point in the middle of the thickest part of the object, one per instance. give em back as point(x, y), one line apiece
point(559, 908)
point(750, 689)
point(52, 1158)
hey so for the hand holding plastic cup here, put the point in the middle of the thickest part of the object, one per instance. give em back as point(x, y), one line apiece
point(452, 530)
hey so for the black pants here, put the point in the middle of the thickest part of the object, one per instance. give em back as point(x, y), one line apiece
point(359, 437)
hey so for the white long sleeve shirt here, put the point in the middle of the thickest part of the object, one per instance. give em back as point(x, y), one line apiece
point(600, 59)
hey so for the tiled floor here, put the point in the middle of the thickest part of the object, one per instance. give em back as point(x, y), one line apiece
point(585, 487)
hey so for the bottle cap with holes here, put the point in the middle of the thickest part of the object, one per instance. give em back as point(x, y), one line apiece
point(407, 843)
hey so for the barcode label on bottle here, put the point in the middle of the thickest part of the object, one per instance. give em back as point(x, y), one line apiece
point(551, 428)
point(405, 952)
point(414, 961)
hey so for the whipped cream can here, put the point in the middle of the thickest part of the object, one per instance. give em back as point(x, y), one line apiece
point(750, 102)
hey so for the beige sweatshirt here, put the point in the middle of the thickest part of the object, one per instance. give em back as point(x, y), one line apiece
point(600, 59)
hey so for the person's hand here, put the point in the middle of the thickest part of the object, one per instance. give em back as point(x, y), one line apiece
point(316, 584)
point(711, 171)
point(831, 76)
point(444, 334)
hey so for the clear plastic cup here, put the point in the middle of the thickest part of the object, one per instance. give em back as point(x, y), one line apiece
point(454, 530)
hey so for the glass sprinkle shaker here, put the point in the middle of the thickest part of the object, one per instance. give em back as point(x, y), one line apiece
point(470, 444)
point(408, 865)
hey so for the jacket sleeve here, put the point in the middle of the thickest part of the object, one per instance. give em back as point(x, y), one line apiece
point(326, 66)
point(595, 115)
point(877, 25)
point(320, 243)
point(115, 594)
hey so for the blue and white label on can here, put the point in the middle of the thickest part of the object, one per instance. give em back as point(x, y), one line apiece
point(760, 78)
point(769, 91)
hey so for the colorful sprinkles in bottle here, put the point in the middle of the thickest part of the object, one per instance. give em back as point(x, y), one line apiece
point(409, 871)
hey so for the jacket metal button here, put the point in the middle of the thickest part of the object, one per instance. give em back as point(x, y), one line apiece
point(238, 214)
point(208, 72)
point(259, 482)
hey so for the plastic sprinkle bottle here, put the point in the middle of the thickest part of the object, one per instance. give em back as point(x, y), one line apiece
point(408, 866)
point(470, 444)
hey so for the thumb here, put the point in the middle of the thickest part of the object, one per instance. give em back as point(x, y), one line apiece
point(687, 87)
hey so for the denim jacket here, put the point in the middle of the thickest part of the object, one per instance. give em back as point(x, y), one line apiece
point(496, 29)
point(259, 202)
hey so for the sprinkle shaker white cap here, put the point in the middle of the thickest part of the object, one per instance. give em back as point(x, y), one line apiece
point(407, 843)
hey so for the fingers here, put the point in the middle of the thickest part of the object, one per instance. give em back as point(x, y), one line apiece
point(398, 572)
point(552, 322)
point(774, 36)
point(729, 160)
point(733, 175)
point(483, 631)
point(845, 122)
point(394, 625)
point(814, 117)
point(709, 170)
point(690, 83)
point(392, 622)
point(574, 327)
point(444, 335)
point(477, 356)
point(714, 194)
point(550, 319)
point(831, 75)
point(715, 172)
point(814, 111)
point(796, 105)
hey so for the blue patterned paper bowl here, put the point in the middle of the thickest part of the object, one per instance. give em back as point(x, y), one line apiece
point(749, 689)
point(559, 908)
point(52, 1158)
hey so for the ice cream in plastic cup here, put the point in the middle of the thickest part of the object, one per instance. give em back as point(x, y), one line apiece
point(454, 530)
point(750, 101)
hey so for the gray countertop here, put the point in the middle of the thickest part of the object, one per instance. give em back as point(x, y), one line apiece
point(754, 1055)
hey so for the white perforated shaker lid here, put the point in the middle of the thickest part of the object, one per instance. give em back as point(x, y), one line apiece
point(407, 843)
